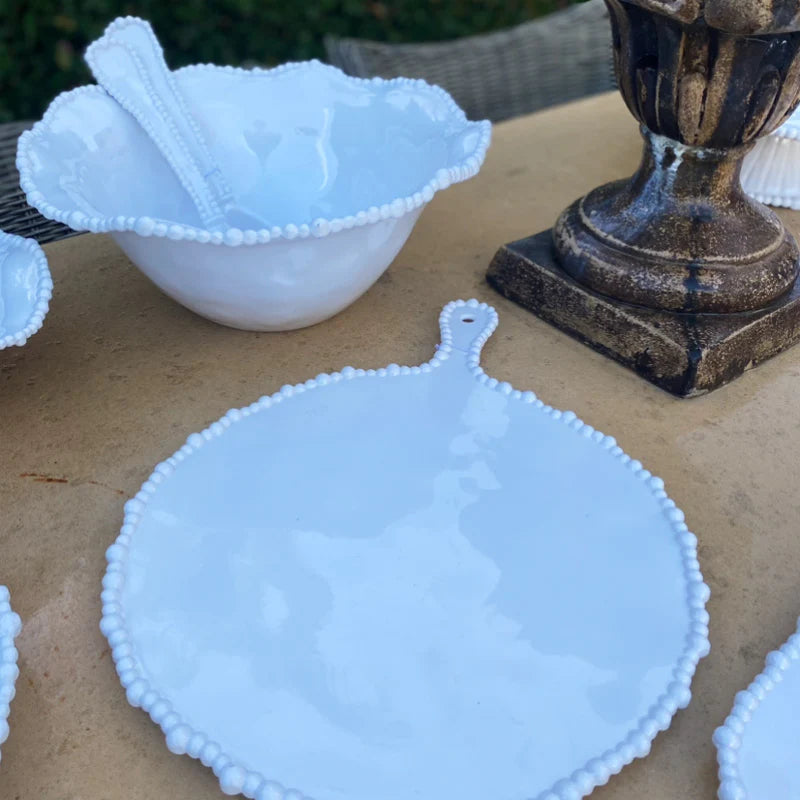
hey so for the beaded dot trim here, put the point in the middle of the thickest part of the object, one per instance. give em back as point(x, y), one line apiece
point(44, 288)
point(452, 120)
point(235, 779)
point(209, 204)
point(10, 626)
point(728, 737)
point(790, 129)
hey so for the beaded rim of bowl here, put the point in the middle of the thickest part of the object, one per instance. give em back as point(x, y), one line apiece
point(466, 168)
point(10, 626)
point(44, 288)
point(234, 778)
point(728, 737)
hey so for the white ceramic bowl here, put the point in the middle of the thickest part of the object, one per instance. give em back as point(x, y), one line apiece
point(341, 167)
point(25, 289)
point(771, 170)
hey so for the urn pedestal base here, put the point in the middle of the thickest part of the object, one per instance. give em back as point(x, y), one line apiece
point(687, 354)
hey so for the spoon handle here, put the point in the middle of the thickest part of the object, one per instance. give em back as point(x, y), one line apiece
point(128, 62)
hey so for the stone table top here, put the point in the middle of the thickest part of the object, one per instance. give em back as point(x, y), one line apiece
point(119, 375)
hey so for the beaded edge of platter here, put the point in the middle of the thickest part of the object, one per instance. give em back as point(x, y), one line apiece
point(234, 778)
point(10, 626)
point(728, 737)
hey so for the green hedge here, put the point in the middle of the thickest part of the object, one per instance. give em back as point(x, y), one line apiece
point(42, 41)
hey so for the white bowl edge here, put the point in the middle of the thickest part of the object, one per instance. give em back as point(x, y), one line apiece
point(44, 292)
point(466, 168)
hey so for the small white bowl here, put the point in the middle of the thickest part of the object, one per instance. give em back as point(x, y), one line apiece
point(340, 166)
point(25, 289)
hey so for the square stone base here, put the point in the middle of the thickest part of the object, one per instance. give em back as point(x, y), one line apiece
point(685, 354)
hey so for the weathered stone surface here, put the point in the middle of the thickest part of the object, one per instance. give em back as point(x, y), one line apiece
point(676, 272)
point(687, 11)
point(741, 17)
point(697, 85)
point(681, 235)
point(685, 354)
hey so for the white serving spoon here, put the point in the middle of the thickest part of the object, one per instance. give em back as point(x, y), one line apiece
point(128, 62)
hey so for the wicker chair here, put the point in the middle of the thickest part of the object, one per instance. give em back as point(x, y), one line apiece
point(16, 216)
point(561, 57)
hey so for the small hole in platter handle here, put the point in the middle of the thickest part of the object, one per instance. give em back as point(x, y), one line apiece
point(467, 324)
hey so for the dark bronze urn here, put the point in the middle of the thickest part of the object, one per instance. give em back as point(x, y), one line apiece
point(679, 249)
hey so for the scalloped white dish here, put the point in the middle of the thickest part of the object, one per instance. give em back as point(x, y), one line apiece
point(771, 170)
point(10, 626)
point(340, 168)
point(25, 289)
point(758, 747)
point(406, 582)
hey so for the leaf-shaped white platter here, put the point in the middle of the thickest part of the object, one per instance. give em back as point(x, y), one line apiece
point(406, 582)
point(25, 289)
point(10, 627)
point(758, 747)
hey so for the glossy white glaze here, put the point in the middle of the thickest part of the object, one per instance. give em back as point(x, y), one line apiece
point(771, 170)
point(339, 167)
point(10, 626)
point(406, 582)
point(288, 284)
point(128, 62)
point(791, 128)
point(758, 747)
point(25, 289)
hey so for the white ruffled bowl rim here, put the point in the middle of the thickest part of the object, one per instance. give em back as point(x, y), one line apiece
point(465, 169)
point(44, 291)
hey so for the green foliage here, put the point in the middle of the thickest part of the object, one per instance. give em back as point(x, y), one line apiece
point(42, 41)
